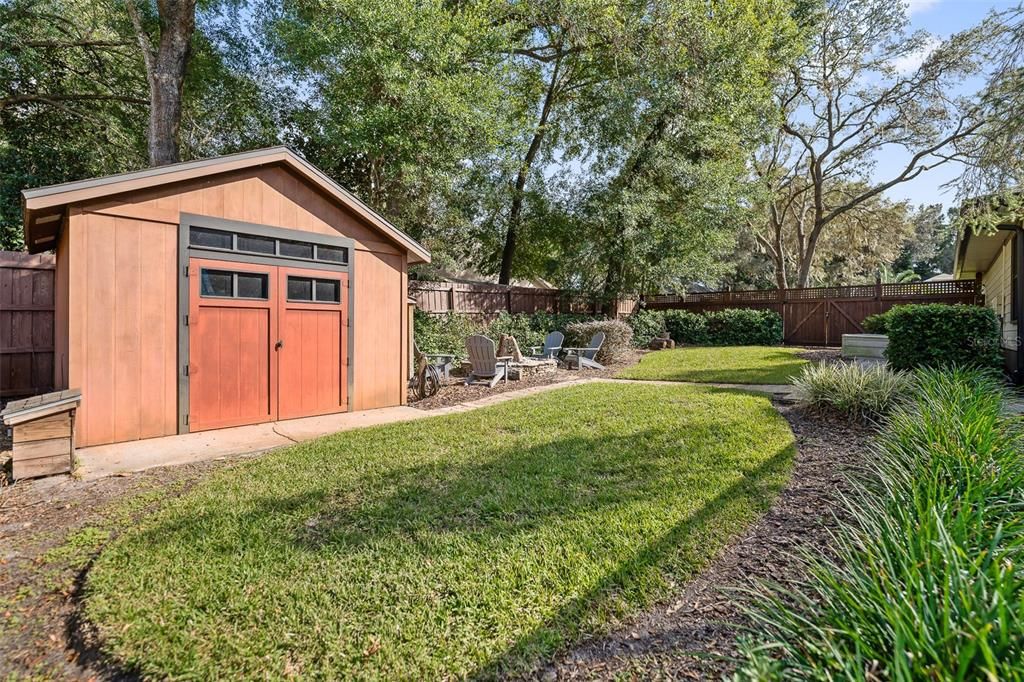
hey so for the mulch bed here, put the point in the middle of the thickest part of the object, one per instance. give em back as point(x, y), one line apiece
point(693, 634)
point(455, 391)
point(822, 354)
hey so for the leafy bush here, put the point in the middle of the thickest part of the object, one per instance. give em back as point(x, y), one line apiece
point(937, 335)
point(877, 324)
point(646, 325)
point(729, 327)
point(617, 342)
point(925, 581)
point(853, 390)
point(446, 333)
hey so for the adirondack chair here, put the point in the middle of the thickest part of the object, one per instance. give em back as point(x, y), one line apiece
point(552, 344)
point(487, 366)
point(584, 357)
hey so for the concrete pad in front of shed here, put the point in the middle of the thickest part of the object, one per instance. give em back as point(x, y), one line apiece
point(116, 458)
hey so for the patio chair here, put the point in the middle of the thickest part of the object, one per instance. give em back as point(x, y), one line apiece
point(584, 357)
point(486, 365)
point(552, 344)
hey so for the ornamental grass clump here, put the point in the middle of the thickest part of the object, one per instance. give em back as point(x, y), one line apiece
point(925, 581)
point(855, 391)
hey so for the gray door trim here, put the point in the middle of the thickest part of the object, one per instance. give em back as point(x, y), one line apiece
point(186, 252)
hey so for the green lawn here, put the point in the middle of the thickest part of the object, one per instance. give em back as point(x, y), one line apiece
point(470, 544)
point(720, 364)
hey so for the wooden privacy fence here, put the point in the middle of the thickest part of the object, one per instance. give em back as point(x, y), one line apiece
point(488, 300)
point(26, 323)
point(820, 316)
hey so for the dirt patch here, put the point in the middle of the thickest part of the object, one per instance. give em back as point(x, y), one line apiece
point(690, 636)
point(454, 391)
point(50, 530)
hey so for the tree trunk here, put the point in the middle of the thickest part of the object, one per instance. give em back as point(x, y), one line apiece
point(515, 213)
point(165, 73)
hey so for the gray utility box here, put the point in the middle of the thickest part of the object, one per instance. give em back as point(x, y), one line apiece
point(865, 345)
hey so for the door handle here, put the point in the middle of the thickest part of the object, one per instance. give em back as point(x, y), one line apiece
point(279, 345)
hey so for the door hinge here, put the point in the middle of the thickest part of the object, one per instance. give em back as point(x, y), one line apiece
point(186, 419)
point(184, 370)
point(186, 320)
point(186, 271)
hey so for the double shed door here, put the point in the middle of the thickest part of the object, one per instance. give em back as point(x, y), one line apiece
point(265, 343)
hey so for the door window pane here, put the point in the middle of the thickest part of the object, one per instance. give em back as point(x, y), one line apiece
point(252, 285)
point(203, 236)
point(254, 244)
point(215, 283)
point(300, 289)
point(333, 254)
point(296, 249)
point(328, 290)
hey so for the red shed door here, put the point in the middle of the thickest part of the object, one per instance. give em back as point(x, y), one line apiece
point(265, 343)
point(313, 319)
point(232, 327)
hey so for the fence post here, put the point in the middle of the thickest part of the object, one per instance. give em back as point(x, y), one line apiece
point(451, 297)
point(878, 288)
point(508, 299)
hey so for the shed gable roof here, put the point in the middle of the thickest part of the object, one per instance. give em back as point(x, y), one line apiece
point(44, 206)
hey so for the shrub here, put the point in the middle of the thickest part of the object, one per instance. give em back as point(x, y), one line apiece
point(445, 333)
point(853, 390)
point(617, 342)
point(686, 327)
point(729, 327)
point(937, 335)
point(646, 325)
point(519, 325)
point(925, 581)
point(877, 324)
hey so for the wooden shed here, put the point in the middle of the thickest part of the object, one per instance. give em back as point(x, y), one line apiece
point(214, 293)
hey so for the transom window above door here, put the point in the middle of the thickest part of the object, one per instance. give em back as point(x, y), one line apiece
point(232, 284)
point(241, 242)
point(314, 289)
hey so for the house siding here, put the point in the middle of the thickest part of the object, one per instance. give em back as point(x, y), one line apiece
point(997, 282)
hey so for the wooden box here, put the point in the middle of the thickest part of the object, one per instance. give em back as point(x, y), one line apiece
point(44, 433)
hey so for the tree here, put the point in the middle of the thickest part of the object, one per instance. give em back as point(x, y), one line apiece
point(165, 63)
point(930, 249)
point(855, 93)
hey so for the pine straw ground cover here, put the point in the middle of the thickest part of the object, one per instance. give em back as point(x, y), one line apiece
point(720, 364)
point(477, 543)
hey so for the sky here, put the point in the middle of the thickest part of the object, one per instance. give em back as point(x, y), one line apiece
point(942, 18)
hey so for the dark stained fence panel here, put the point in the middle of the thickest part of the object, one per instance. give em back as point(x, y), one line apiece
point(486, 301)
point(819, 316)
point(26, 323)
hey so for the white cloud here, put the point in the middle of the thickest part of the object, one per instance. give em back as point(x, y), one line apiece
point(910, 63)
point(919, 6)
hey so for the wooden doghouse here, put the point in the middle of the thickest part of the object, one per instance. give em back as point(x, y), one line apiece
point(44, 433)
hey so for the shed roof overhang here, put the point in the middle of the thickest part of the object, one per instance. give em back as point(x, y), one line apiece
point(976, 252)
point(44, 207)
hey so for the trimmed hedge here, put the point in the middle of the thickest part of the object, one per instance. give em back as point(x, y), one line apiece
point(939, 335)
point(646, 325)
point(617, 342)
point(877, 324)
point(729, 327)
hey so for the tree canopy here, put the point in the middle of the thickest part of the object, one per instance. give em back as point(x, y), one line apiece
point(603, 146)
